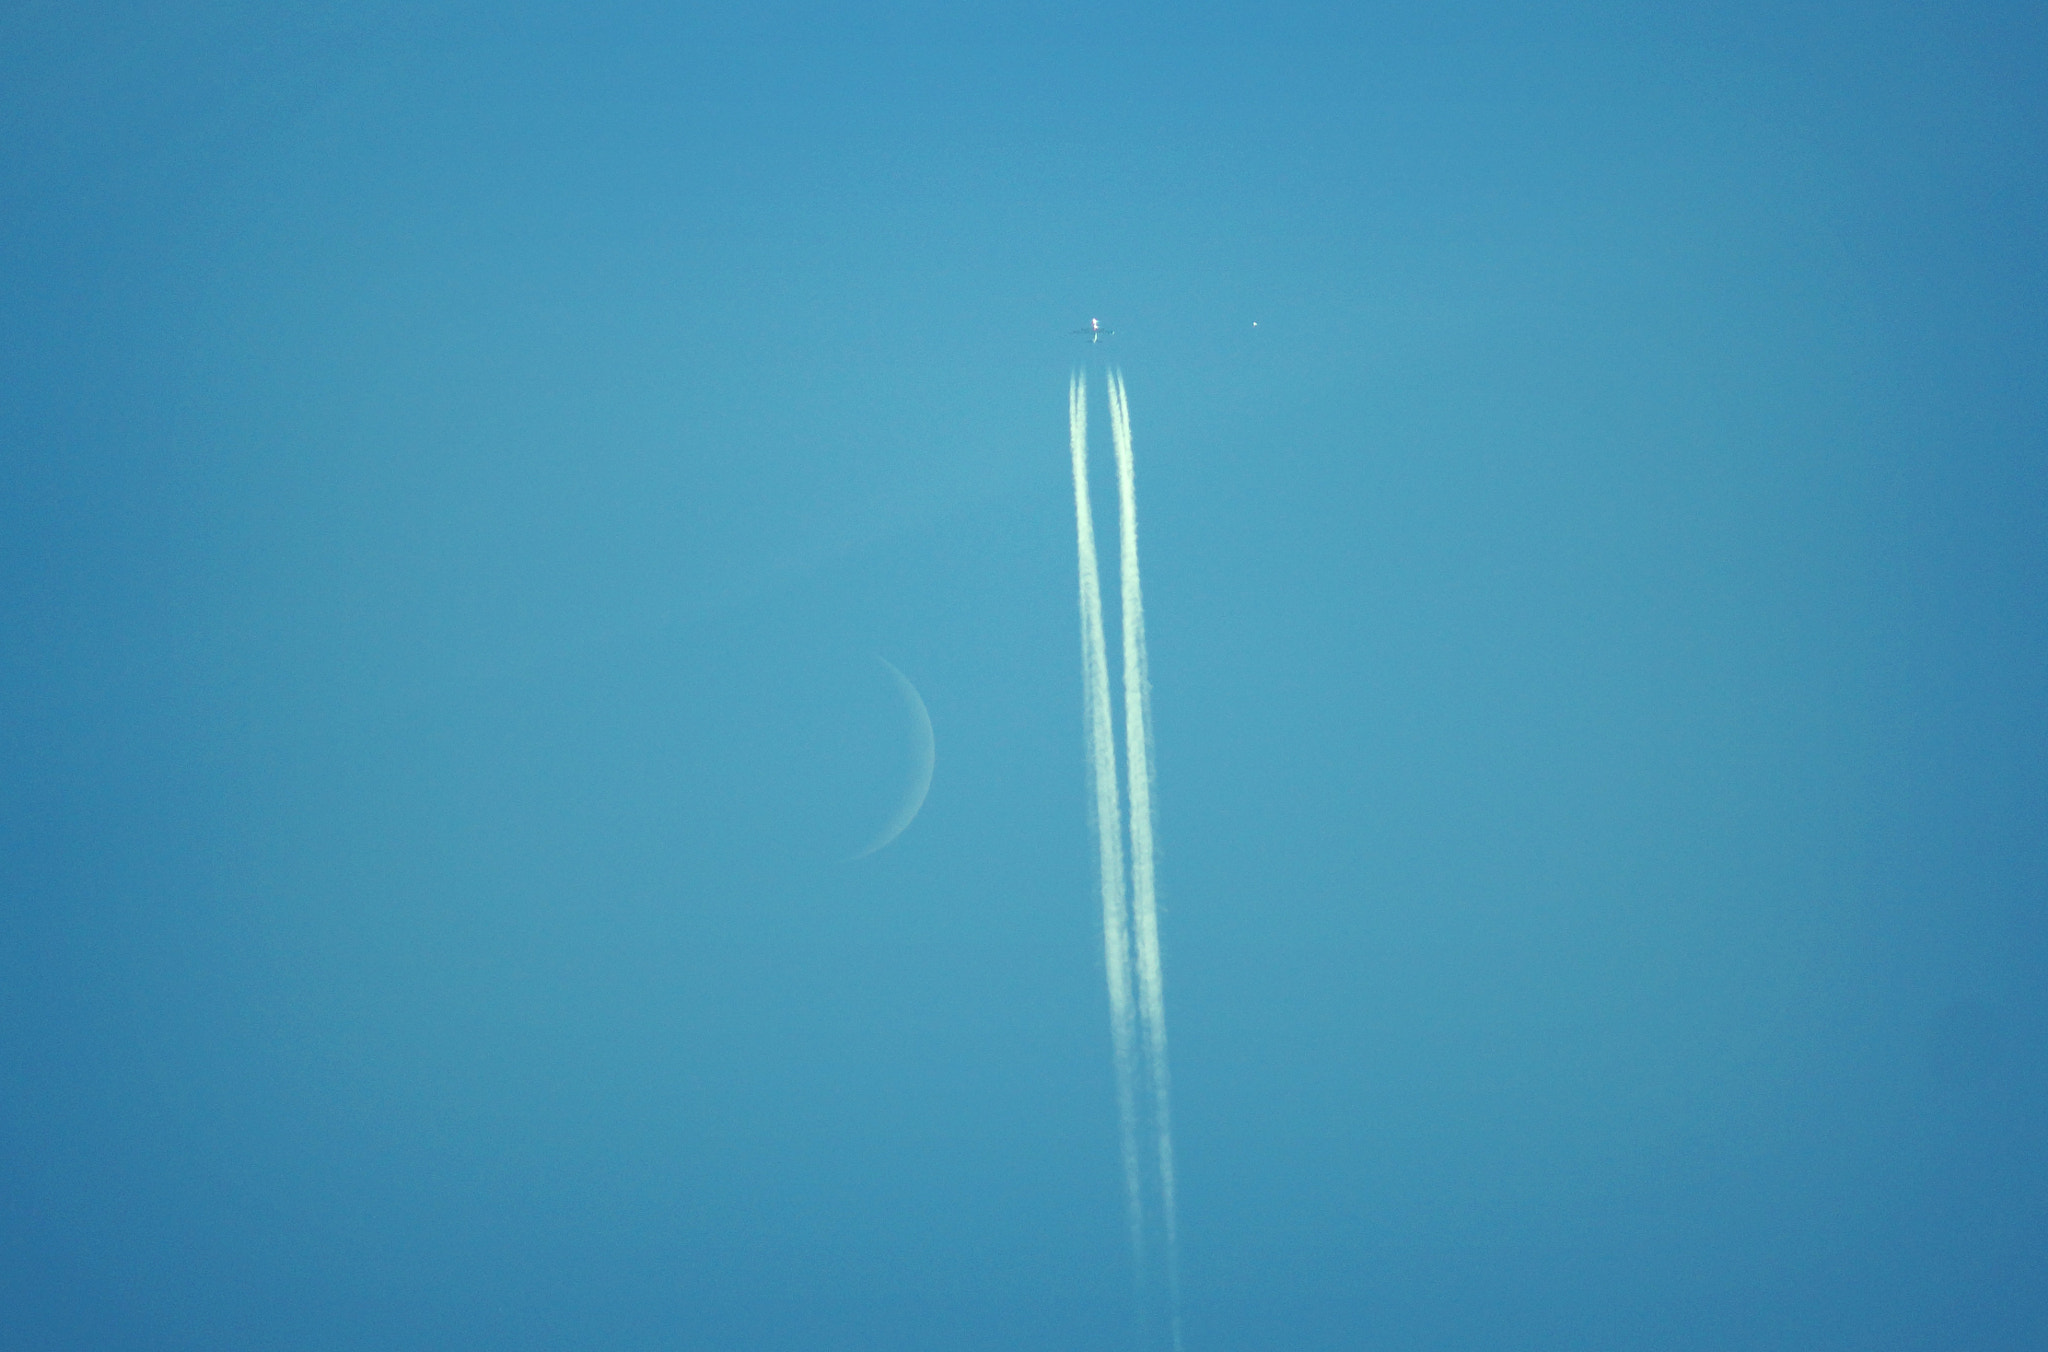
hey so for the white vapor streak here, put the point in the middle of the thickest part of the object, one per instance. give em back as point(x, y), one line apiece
point(1144, 901)
point(1101, 746)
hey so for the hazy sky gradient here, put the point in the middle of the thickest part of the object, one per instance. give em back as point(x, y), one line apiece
point(460, 466)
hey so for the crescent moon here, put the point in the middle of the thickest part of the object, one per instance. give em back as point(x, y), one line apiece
point(923, 756)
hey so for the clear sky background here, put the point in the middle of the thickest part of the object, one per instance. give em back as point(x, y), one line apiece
point(458, 464)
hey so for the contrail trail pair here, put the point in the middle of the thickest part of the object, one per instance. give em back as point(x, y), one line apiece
point(1130, 912)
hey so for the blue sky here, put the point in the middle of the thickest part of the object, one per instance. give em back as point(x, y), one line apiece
point(460, 465)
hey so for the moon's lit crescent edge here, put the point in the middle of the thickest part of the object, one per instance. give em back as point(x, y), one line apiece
point(927, 757)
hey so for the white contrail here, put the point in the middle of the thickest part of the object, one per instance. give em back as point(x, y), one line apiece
point(1144, 899)
point(1101, 746)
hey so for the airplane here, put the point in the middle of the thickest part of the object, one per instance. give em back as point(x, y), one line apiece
point(1095, 333)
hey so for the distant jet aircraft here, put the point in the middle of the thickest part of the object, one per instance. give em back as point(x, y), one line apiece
point(1095, 333)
